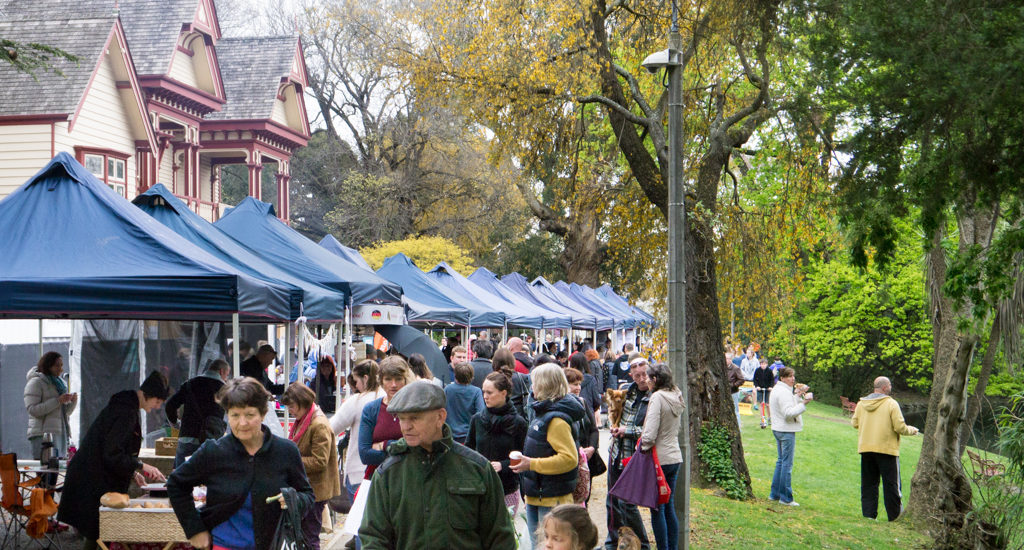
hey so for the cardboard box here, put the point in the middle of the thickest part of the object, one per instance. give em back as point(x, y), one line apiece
point(166, 446)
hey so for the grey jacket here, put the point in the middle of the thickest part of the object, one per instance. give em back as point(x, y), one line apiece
point(787, 409)
point(44, 411)
point(661, 429)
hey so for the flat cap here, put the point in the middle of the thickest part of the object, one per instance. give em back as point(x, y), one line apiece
point(419, 396)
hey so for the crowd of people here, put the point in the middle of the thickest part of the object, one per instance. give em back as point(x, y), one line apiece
point(445, 466)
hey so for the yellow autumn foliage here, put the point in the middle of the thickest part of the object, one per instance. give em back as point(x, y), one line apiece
point(425, 252)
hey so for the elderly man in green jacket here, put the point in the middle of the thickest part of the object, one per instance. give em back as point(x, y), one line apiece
point(433, 493)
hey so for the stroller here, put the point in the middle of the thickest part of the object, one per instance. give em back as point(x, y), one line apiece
point(288, 535)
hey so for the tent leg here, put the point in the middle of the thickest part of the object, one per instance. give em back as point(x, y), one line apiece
point(41, 338)
point(504, 334)
point(338, 346)
point(235, 360)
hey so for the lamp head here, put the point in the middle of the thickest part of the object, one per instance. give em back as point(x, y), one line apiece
point(660, 60)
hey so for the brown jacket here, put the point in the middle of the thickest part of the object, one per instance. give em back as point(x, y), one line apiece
point(320, 458)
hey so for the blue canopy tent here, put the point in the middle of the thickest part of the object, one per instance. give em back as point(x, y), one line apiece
point(577, 319)
point(254, 224)
point(350, 254)
point(73, 248)
point(599, 307)
point(427, 302)
point(601, 320)
point(447, 276)
point(606, 291)
point(487, 280)
point(317, 303)
point(631, 319)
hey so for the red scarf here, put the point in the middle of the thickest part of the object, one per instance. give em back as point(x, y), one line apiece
point(299, 427)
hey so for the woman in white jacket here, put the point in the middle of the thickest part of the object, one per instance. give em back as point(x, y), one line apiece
point(48, 404)
point(661, 429)
point(364, 374)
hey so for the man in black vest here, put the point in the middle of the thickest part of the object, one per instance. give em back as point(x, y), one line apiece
point(256, 367)
point(197, 398)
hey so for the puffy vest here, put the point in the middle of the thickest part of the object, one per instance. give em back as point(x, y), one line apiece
point(536, 446)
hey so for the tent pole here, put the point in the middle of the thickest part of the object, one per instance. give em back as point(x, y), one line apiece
point(288, 330)
point(40, 338)
point(348, 338)
point(338, 345)
point(504, 334)
point(235, 360)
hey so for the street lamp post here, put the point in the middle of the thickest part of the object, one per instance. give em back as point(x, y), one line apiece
point(671, 60)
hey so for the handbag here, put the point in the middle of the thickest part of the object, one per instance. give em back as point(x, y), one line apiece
point(582, 491)
point(342, 503)
point(664, 491)
point(597, 465)
point(638, 482)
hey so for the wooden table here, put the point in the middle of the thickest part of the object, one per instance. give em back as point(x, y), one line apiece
point(130, 525)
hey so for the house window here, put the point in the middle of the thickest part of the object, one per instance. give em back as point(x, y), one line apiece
point(110, 167)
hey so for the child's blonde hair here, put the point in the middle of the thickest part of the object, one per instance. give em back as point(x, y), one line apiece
point(576, 518)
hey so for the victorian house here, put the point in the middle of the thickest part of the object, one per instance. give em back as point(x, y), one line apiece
point(157, 95)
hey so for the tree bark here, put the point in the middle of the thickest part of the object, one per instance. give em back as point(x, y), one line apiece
point(940, 491)
point(974, 405)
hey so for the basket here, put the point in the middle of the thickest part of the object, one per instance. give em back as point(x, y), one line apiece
point(140, 524)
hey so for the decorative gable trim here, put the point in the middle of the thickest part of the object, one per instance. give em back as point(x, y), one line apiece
point(205, 19)
point(298, 71)
point(117, 33)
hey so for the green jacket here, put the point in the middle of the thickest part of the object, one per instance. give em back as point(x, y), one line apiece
point(446, 499)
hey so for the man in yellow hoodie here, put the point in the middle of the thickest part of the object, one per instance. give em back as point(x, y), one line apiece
point(880, 421)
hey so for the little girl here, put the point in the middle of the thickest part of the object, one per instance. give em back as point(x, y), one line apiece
point(567, 527)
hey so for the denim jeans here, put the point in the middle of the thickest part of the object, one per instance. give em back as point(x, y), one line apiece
point(185, 449)
point(736, 397)
point(534, 518)
point(663, 519)
point(782, 480)
point(352, 488)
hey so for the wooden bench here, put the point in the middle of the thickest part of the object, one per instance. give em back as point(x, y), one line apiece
point(849, 407)
point(983, 468)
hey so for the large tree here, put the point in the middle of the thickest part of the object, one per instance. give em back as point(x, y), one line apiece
point(928, 94)
point(518, 67)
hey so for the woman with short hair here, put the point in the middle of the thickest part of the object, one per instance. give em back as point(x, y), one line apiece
point(312, 433)
point(660, 432)
point(240, 471)
point(377, 428)
point(550, 462)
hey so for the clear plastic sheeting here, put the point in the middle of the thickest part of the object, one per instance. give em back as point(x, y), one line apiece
point(113, 356)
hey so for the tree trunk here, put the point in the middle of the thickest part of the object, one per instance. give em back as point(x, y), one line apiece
point(974, 405)
point(940, 491)
point(710, 399)
point(581, 258)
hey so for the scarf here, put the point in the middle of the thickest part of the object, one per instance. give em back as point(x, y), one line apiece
point(62, 388)
point(300, 426)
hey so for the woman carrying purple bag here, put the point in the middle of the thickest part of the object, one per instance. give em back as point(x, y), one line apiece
point(664, 413)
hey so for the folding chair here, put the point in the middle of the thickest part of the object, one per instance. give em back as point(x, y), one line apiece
point(33, 519)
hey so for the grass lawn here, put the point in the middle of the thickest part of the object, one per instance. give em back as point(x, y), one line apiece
point(826, 483)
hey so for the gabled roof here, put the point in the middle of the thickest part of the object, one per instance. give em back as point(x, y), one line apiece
point(153, 29)
point(253, 70)
point(50, 93)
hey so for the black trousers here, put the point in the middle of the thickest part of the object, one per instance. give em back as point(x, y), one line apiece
point(887, 467)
